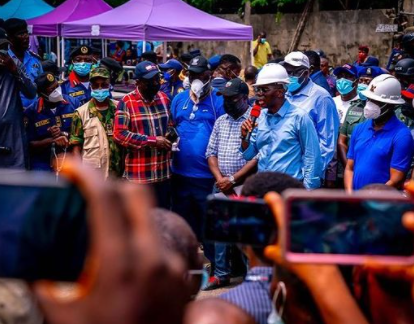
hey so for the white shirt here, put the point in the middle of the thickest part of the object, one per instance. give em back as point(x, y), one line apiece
point(343, 106)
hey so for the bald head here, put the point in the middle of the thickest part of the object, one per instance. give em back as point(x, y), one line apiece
point(250, 73)
point(215, 311)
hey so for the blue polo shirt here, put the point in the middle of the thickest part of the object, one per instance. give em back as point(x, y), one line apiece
point(375, 152)
point(195, 133)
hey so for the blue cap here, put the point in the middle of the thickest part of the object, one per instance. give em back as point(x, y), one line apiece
point(146, 70)
point(347, 68)
point(214, 61)
point(370, 71)
point(171, 65)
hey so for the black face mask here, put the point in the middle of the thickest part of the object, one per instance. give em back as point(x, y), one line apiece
point(150, 90)
point(235, 109)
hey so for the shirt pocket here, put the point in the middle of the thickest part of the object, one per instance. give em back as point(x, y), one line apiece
point(91, 138)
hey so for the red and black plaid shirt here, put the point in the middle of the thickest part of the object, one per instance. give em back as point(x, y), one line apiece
point(137, 124)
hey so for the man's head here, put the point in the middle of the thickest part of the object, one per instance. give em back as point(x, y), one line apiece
point(115, 68)
point(250, 74)
point(18, 34)
point(48, 87)
point(229, 66)
point(177, 237)
point(404, 71)
point(236, 97)
point(407, 43)
point(199, 74)
point(383, 96)
point(363, 51)
point(314, 61)
point(148, 79)
point(100, 83)
point(367, 74)
point(50, 66)
point(297, 66)
point(172, 69)
point(119, 45)
point(271, 85)
point(82, 60)
point(262, 37)
point(325, 66)
point(347, 79)
point(4, 42)
point(149, 56)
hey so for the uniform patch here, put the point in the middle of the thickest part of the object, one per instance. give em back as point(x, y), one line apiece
point(42, 122)
point(84, 50)
point(50, 78)
point(77, 93)
point(68, 115)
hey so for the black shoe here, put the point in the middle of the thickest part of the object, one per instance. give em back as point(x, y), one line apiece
point(215, 283)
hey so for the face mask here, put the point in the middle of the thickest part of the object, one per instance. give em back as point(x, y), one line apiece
point(235, 109)
point(344, 86)
point(372, 111)
point(82, 68)
point(186, 83)
point(275, 317)
point(151, 91)
point(362, 56)
point(294, 84)
point(362, 87)
point(56, 95)
point(199, 88)
point(100, 94)
point(263, 40)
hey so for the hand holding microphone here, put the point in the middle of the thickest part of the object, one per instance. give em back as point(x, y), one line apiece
point(249, 125)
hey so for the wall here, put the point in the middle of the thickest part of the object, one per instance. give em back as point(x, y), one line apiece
point(337, 33)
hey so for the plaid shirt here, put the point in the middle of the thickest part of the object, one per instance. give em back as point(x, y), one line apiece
point(137, 124)
point(225, 144)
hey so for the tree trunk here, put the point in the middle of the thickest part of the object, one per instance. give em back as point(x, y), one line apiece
point(247, 21)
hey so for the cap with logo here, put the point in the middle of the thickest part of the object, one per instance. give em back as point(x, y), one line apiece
point(214, 61)
point(3, 37)
point(45, 80)
point(370, 71)
point(347, 69)
point(234, 87)
point(99, 72)
point(146, 70)
point(296, 59)
point(81, 50)
point(199, 64)
point(171, 64)
point(15, 26)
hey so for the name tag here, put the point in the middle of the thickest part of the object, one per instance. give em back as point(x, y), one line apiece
point(355, 113)
point(42, 122)
point(68, 115)
point(77, 94)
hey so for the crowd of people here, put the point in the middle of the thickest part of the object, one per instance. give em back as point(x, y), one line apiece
point(195, 126)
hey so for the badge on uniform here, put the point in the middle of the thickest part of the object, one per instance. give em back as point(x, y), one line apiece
point(109, 129)
point(84, 50)
point(58, 121)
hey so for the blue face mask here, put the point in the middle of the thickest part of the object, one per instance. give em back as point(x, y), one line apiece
point(344, 86)
point(100, 94)
point(82, 68)
point(294, 84)
point(362, 87)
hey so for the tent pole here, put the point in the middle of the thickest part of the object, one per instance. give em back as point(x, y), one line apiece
point(164, 51)
point(63, 53)
point(251, 54)
point(58, 51)
point(144, 46)
point(103, 47)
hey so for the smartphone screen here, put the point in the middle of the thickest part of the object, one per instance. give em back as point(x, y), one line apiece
point(349, 225)
point(43, 228)
point(243, 220)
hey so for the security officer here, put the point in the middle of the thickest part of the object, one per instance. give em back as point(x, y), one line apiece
point(77, 85)
point(48, 122)
point(172, 85)
point(26, 60)
point(404, 72)
point(407, 44)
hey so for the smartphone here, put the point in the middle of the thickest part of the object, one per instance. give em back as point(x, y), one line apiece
point(336, 228)
point(43, 227)
point(244, 220)
point(171, 135)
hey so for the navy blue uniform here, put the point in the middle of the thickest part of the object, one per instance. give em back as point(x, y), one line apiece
point(40, 119)
point(171, 90)
point(74, 88)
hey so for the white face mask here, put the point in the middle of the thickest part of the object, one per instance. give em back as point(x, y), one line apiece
point(186, 83)
point(372, 111)
point(197, 87)
point(56, 95)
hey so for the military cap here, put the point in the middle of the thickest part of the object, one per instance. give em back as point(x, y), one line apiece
point(14, 26)
point(81, 50)
point(45, 80)
point(99, 72)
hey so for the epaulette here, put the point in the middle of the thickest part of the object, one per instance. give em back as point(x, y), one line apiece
point(35, 55)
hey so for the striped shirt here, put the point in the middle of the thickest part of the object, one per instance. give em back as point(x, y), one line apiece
point(225, 144)
point(253, 296)
point(137, 124)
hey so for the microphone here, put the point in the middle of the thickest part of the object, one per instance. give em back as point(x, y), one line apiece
point(254, 114)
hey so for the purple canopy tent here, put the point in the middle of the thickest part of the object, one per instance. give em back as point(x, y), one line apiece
point(70, 10)
point(50, 24)
point(162, 20)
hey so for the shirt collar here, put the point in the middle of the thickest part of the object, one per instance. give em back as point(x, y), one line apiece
point(74, 79)
point(94, 112)
point(282, 111)
point(389, 125)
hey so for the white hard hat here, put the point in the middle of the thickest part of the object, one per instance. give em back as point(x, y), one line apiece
point(384, 88)
point(296, 59)
point(272, 73)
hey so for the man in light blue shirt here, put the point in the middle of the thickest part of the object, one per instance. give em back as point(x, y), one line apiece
point(305, 94)
point(285, 137)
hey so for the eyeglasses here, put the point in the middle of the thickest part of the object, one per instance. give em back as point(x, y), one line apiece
point(259, 90)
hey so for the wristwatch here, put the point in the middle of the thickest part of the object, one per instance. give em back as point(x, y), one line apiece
point(231, 178)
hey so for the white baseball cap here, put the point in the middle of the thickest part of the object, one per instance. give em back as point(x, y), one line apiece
point(296, 59)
